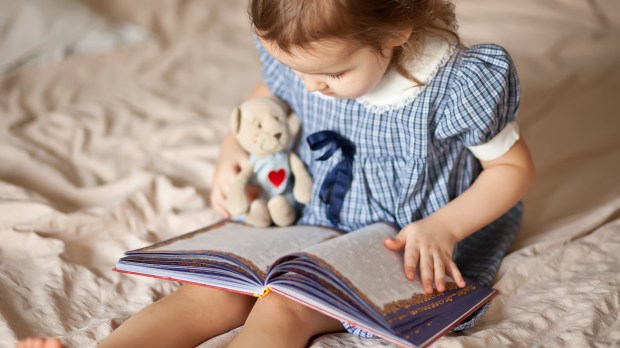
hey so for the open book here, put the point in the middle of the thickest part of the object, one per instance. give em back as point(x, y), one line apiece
point(351, 277)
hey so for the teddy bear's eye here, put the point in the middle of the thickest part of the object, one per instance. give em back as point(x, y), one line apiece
point(260, 126)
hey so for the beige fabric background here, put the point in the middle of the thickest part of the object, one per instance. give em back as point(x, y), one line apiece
point(104, 153)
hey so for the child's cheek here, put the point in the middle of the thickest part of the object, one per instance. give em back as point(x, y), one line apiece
point(350, 89)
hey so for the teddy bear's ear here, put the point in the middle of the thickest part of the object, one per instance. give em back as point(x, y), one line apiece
point(235, 120)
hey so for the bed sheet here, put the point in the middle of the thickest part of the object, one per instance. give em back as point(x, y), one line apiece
point(104, 153)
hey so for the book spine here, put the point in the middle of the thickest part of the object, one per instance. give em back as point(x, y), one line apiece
point(263, 293)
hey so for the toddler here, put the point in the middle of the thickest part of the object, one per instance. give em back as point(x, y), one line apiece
point(423, 134)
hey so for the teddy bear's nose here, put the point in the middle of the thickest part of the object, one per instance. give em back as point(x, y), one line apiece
point(277, 136)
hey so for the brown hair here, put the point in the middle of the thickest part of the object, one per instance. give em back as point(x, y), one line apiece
point(298, 23)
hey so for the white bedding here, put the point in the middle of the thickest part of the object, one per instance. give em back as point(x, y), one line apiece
point(104, 153)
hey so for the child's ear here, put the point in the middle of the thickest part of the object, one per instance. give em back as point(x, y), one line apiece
point(398, 38)
point(235, 120)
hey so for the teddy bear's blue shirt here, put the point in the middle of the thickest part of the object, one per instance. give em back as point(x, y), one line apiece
point(273, 174)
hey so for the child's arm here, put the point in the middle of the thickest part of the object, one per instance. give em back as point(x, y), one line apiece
point(230, 161)
point(430, 241)
point(302, 189)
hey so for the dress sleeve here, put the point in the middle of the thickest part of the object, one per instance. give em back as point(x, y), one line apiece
point(277, 76)
point(482, 102)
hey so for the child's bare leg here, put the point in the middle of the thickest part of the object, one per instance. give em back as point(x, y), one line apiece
point(276, 321)
point(185, 318)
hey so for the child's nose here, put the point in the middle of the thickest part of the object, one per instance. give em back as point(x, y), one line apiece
point(313, 85)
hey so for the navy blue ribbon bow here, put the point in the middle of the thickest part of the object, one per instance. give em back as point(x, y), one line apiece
point(338, 181)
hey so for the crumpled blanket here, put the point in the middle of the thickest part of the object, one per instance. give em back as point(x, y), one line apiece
point(109, 152)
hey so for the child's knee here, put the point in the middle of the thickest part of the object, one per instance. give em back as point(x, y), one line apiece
point(280, 314)
point(279, 307)
point(206, 299)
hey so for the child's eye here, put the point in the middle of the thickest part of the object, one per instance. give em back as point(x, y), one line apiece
point(335, 76)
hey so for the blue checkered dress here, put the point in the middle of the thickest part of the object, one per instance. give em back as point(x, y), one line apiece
point(412, 160)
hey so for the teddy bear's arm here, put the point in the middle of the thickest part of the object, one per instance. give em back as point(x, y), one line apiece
point(237, 201)
point(303, 182)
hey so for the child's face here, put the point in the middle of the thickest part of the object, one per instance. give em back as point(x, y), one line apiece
point(334, 67)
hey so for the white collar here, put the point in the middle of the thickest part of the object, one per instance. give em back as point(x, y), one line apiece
point(395, 90)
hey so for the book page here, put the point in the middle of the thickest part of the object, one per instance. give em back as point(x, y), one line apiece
point(260, 246)
point(356, 279)
point(378, 271)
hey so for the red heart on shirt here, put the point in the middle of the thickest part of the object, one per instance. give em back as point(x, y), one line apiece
point(276, 177)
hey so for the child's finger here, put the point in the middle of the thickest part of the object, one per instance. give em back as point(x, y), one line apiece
point(227, 181)
point(253, 192)
point(394, 244)
point(222, 211)
point(412, 255)
point(426, 270)
point(440, 272)
point(243, 160)
point(454, 272)
point(218, 201)
point(51, 343)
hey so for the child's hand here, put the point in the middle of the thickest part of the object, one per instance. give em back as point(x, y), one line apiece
point(229, 163)
point(430, 245)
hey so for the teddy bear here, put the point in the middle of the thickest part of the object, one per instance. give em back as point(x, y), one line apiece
point(261, 127)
